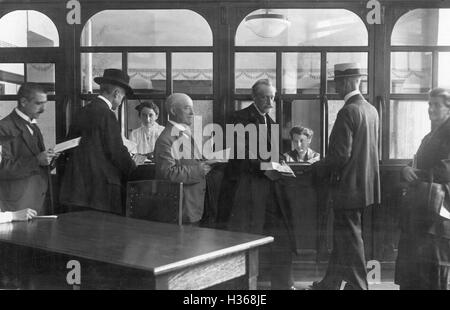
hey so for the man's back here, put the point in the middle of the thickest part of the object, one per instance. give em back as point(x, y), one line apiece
point(354, 141)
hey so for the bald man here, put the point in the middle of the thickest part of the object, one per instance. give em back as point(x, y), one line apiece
point(178, 158)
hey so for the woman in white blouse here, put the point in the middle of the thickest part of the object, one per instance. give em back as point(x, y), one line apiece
point(146, 135)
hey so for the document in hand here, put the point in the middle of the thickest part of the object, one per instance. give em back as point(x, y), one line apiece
point(283, 169)
point(444, 212)
point(66, 145)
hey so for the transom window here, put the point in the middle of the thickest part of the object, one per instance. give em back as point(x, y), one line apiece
point(300, 63)
point(163, 51)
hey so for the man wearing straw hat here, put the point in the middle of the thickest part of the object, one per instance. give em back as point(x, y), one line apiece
point(351, 168)
point(96, 170)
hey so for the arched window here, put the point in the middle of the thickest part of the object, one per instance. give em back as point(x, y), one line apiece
point(23, 29)
point(163, 51)
point(27, 29)
point(299, 58)
point(420, 61)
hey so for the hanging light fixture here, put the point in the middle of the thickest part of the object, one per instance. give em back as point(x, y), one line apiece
point(267, 25)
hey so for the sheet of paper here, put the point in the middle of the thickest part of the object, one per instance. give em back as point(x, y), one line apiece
point(444, 213)
point(66, 145)
point(281, 168)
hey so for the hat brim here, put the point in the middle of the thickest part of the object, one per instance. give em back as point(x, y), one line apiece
point(349, 75)
point(128, 90)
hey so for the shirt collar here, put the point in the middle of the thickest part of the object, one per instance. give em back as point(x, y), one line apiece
point(107, 101)
point(351, 94)
point(25, 117)
point(263, 114)
point(180, 127)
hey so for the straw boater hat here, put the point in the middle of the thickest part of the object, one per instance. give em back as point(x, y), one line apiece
point(347, 70)
point(115, 77)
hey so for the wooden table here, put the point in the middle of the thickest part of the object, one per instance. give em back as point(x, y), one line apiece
point(129, 253)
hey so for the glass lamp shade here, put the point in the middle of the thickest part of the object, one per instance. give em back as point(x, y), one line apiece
point(267, 25)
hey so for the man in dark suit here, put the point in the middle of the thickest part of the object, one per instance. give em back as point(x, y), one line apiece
point(351, 167)
point(96, 169)
point(23, 166)
point(178, 158)
point(252, 192)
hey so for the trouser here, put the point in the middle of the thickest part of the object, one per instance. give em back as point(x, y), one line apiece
point(347, 262)
point(427, 276)
point(281, 253)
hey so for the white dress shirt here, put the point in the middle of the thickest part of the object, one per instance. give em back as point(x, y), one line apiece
point(107, 102)
point(27, 119)
point(351, 94)
point(5, 217)
point(145, 137)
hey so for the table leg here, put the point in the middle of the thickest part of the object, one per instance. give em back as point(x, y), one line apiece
point(251, 276)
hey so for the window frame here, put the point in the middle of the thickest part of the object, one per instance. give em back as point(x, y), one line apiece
point(283, 99)
point(413, 97)
point(167, 50)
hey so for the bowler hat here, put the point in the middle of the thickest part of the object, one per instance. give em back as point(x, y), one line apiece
point(115, 77)
point(347, 70)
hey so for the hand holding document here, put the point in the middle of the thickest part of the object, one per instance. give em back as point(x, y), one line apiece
point(130, 145)
point(66, 145)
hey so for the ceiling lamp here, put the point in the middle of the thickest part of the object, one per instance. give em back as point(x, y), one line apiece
point(267, 25)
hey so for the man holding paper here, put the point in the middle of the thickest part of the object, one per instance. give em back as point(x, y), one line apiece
point(23, 167)
point(96, 170)
point(257, 206)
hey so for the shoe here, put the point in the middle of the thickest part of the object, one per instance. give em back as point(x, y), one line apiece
point(320, 286)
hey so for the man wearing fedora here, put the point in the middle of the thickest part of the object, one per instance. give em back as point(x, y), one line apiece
point(96, 170)
point(351, 169)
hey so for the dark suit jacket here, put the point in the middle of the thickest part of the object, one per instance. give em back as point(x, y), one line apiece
point(96, 169)
point(23, 183)
point(248, 190)
point(172, 167)
point(434, 155)
point(352, 163)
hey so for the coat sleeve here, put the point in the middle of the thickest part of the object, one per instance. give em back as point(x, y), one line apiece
point(12, 166)
point(113, 145)
point(169, 169)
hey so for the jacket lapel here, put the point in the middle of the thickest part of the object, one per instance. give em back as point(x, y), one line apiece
point(26, 135)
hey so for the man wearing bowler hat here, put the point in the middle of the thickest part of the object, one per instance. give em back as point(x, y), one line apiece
point(96, 170)
point(351, 169)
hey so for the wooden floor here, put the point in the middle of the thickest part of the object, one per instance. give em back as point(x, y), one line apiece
point(305, 272)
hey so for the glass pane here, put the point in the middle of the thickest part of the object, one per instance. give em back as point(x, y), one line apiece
point(27, 29)
point(250, 67)
point(305, 27)
point(46, 121)
point(337, 58)
point(305, 113)
point(444, 70)
point(301, 73)
point(93, 65)
point(43, 73)
point(192, 73)
point(333, 108)
point(242, 104)
point(422, 27)
point(411, 72)
point(146, 28)
point(147, 71)
point(203, 109)
point(11, 76)
point(132, 114)
point(405, 139)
